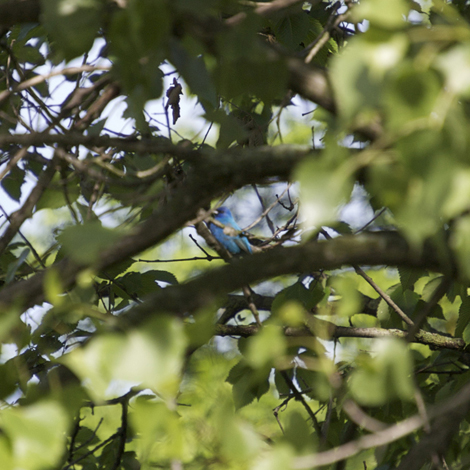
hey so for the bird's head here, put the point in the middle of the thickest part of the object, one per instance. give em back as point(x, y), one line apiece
point(222, 212)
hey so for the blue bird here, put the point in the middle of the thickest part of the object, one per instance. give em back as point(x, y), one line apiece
point(229, 237)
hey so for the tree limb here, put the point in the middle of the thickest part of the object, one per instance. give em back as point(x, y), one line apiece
point(329, 331)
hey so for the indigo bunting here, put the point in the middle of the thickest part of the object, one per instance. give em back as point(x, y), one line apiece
point(229, 237)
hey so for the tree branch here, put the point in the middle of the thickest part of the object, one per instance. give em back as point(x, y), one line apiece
point(371, 249)
point(329, 331)
point(451, 411)
point(14, 11)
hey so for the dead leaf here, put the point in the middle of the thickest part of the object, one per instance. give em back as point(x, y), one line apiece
point(173, 93)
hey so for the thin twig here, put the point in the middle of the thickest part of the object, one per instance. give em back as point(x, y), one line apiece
point(376, 216)
point(333, 21)
point(176, 260)
point(26, 210)
point(382, 294)
point(299, 396)
point(269, 209)
point(251, 305)
point(42, 78)
point(31, 247)
point(437, 295)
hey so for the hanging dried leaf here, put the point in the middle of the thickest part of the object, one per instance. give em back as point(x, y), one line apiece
point(173, 93)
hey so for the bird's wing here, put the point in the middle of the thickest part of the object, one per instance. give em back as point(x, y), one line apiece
point(242, 243)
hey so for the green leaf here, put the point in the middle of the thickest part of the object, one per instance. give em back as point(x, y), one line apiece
point(386, 376)
point(248, 384)
point(298, 433)
point(325, 184)
point(73, 24)
point(298, 292)
point(292, 30)
point(347, 287)
point(37, 434)
point(9, 378)
point(161, 430)
point(382, 13)
point(460, 242)
point(151, 357)
point(136, 37)
point(410, 95)
point(230, 128)
point(357, 73)
point(13, 182)
point(454, 63)
point(264, 348)
point(13, 267)
point(57, 195)
point(464, 317)
point(116, 269)
point(409, 276)
point(265, 79)
point(84, 243)
point(195, 74)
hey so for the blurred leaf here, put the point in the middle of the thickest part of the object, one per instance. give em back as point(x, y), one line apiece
point(37, 434)
point(383, 13)
point(57, 195)
point(357, 73)
point(410, 95)
point(291, 30)
point(73, 24)
point(161, 430)
point(137, 34)
point(13, 267)
point(346, 286)
point(298, 433)
point(151, 357)
point(460, 242)
point(324, 185)
point(84, 243)
point(195, 74)
point(464, 317)
point(386, 376)
point(454, 64)
point(265, 347)
point(53, 287)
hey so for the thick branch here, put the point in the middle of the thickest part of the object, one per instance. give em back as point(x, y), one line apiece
point(209, 177)
point(372, 249)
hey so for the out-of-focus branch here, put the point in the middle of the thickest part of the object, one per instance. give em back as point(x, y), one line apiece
point(42, 78)
point(448, 417)
point(24, 11)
